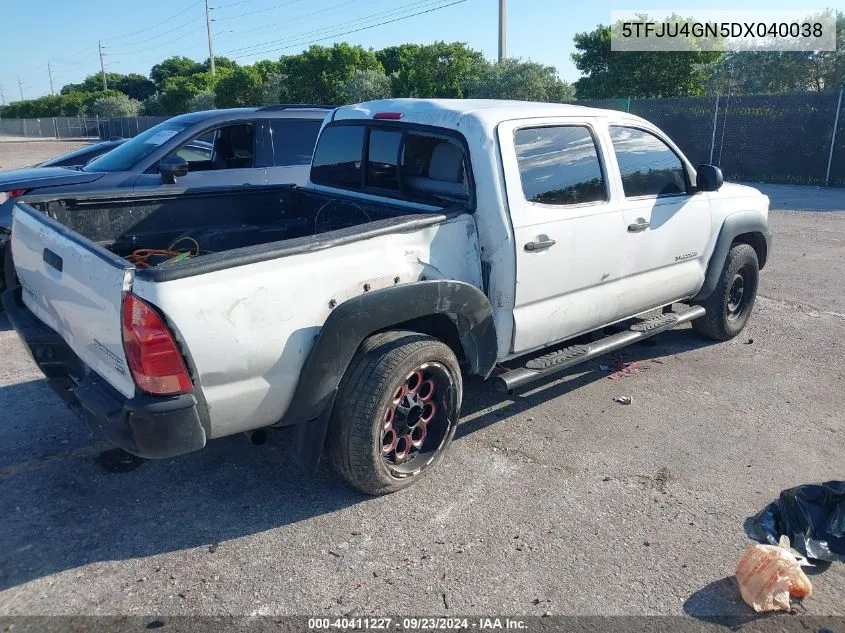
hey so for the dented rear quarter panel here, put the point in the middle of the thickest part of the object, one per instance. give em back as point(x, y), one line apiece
point(248, 329)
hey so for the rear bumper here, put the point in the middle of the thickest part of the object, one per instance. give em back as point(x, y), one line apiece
point(154, 427)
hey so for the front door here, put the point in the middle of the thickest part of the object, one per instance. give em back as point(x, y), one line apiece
point(224, 157)
point(568, 230)
point(667, 224)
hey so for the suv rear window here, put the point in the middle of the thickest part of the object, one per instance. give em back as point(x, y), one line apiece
point(392, 161)
point(293, 140)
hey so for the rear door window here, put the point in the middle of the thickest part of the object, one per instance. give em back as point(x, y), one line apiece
point(293, 140)
point(559, 165)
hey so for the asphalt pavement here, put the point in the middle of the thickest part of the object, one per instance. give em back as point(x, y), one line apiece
point(555, 501)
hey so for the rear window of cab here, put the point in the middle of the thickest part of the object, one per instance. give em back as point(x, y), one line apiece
point(394, 161)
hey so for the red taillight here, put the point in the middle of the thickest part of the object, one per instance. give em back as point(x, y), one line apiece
point(14, 193)
point(152, 354)
point(392, 116)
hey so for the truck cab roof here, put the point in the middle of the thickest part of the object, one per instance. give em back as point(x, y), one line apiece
point(461, 113)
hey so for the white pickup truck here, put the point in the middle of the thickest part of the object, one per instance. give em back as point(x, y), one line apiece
point(434, 238)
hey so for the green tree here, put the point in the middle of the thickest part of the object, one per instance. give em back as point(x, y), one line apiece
point(71, 104)
point(203, 100)
point(153, 105)
point(243, 86)
point(176, 66)
point(275, 89)
point(134, 86)
point(366, 85)
point(94, 83)
point(636, 74)
point(319, 74)
point(432, 70)
point(115, 106)
point(178, 91)
point(774, 72)
point(219, 62)
point(523, 81)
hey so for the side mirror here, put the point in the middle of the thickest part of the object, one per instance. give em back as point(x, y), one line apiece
point(171, 167)
point(709, 178)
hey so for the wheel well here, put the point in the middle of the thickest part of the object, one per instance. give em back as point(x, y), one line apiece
point(755, 241)
point(439, 326)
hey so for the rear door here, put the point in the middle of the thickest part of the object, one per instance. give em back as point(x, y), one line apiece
point(293, 141)
point(76, 288)
point(569, 237)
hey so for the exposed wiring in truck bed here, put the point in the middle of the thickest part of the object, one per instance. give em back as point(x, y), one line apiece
point(142, 257)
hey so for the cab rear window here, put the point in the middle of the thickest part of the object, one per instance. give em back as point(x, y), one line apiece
point(394, 161)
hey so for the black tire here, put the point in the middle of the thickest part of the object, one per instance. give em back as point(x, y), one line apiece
point(380, 395)
point(731, 302)
point(9, 278)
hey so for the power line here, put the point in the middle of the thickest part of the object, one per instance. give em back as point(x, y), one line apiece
point(243, 15)
point(161, 21)
point(363, 28)
point(232, 4)
point(153, 37)
point(159, 45)
point(341, 25)
point(299, 18)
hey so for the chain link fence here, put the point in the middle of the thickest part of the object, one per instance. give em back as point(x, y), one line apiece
point(793, 139)
point(84, 127)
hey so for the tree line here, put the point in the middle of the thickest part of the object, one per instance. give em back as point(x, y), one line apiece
point(344, 73)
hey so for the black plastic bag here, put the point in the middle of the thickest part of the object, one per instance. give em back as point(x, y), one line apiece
point(812, 516)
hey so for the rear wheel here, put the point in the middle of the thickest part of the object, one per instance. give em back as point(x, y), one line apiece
point(396, 411)
point(8, 279)
point(730, 304)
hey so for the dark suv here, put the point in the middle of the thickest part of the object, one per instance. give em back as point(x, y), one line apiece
point(215, 148)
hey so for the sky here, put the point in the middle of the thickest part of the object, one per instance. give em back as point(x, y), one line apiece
point(136, 35)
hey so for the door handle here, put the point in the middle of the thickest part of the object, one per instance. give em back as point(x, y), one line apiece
point(640, 225)
point(539, 245)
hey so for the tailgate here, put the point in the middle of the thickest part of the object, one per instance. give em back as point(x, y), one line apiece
point(76, 288)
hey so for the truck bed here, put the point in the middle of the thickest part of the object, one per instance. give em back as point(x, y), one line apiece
point(220, 228)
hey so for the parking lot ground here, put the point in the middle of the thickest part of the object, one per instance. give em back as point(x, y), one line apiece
point(16, 152)
point(557, 500)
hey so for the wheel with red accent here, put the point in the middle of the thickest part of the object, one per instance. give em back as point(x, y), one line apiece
point(396, 411)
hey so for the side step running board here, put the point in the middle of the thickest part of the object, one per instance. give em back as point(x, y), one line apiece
point(550, 364)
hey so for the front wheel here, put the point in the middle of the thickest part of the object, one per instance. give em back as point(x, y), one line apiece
point(396, 411)
point(731, 302)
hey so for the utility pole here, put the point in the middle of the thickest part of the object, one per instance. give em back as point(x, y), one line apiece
point(103, 66)
point(2, 96)
point(210, 42)
point(503, 20)
point(20, 87)
point(50, 74)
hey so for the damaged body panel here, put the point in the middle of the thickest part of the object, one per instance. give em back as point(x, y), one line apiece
point(462, 233)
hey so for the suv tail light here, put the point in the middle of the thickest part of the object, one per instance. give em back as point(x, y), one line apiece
point(153, 356)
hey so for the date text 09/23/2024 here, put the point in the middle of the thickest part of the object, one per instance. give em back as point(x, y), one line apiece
point(415, 624)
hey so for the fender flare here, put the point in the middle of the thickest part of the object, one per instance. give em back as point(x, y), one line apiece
point(355, 319)
point(741, 223)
